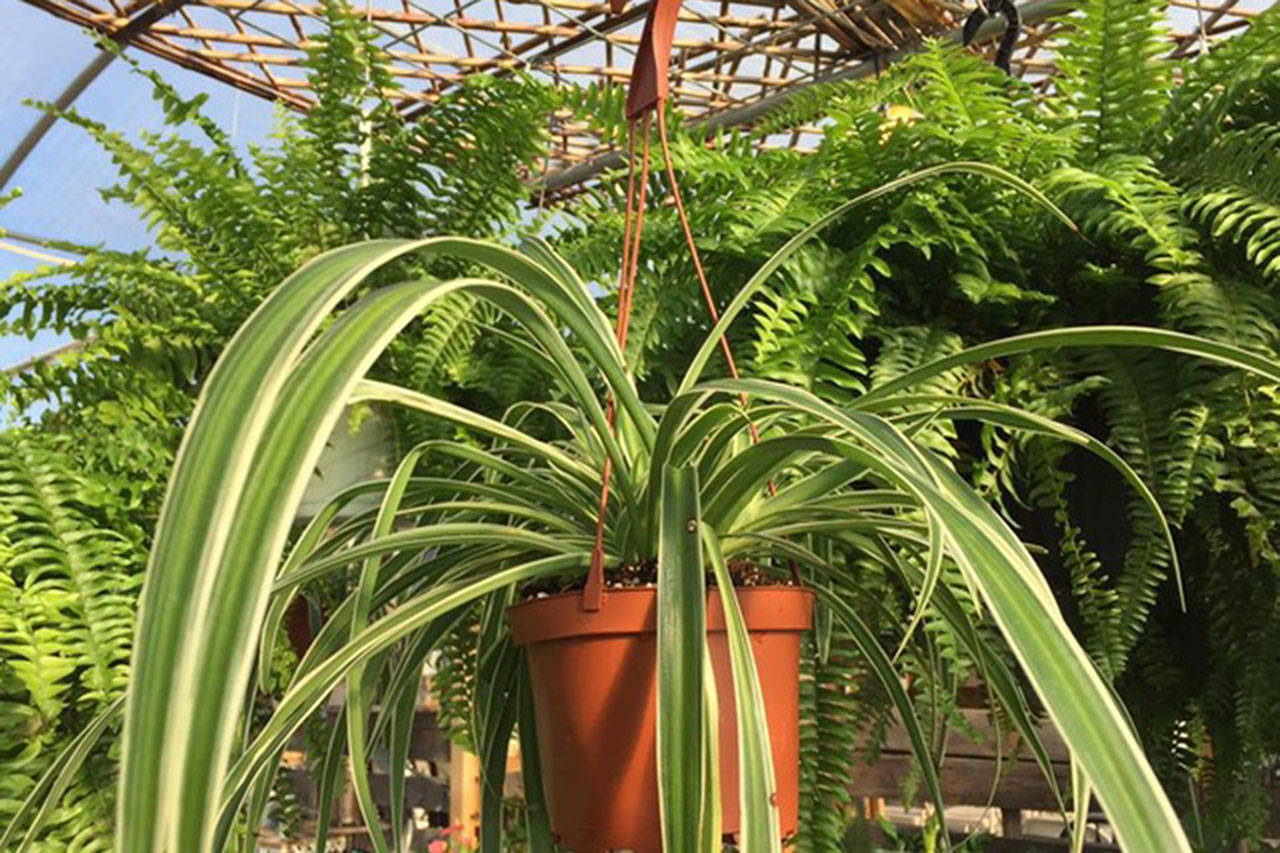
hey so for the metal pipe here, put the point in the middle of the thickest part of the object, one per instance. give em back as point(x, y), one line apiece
point(148, 14)
point(35, 240)
point(28, 143)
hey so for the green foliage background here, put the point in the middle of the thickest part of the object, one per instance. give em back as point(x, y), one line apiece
point(83, 472)
point(1177, 189)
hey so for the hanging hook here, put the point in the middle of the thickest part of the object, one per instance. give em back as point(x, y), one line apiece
point(650, 74)
point(1013, 28)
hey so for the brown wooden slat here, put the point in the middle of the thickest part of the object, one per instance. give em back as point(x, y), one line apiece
point(815, 38)
point(964, 781)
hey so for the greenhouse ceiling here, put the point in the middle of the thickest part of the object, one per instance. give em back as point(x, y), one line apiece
point(733, 60)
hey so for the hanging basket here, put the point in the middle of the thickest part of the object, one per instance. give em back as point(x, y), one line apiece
point(594, 682)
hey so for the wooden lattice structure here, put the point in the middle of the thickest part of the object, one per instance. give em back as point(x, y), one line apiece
point(733, 59)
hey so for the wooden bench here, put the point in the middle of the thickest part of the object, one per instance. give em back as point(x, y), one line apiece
point(975, 773)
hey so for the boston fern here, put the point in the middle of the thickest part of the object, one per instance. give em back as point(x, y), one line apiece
point(230, 221)
point(825, 490)
point(68, 584)
point(1170, 170)
point(83, 473)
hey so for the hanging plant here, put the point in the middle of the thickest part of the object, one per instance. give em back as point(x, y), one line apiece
point(692, 491)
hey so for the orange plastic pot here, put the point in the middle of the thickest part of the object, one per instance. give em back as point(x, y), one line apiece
point(594, 687)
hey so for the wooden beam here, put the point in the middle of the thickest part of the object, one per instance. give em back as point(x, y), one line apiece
point(464, 792)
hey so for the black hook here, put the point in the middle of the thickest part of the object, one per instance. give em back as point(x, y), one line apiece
point(1013, 19)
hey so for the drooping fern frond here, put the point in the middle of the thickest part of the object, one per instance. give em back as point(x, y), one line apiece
point(67, 598)
point(1221, 306)
point(448, 335)
point(808, 330)
point(1139, 401)
point(1124, 201)
point(836, 711)
point(1092, 592)
point(1193, 461)
point(1111, 78)
point(1234, 193)
point(453, 680)
point(475, 149)
point(34, 650)
point(906, 347)
point(1236, 689)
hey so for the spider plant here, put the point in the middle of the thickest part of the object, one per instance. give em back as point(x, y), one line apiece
point(690, 487)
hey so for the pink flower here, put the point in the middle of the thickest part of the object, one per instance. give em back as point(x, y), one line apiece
point(438, 846)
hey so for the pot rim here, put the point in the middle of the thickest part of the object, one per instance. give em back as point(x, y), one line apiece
point(633, 611)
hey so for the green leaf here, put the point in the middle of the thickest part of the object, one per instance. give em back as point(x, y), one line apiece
point(537, 818)
point(500, 687)
point(310, 690)
point(681, 643)
point(1077, 700)
point(330, 773)
point(359, 693)
point(761, 829)
point(891, 681)
point(53, 784)
point(1083, 336)
point(1008, 416)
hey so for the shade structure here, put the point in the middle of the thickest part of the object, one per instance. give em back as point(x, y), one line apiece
point(732, 59)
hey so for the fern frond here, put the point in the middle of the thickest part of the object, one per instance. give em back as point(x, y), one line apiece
point(1092, 591)
point(1216, 85)
point(1220, 307)
point(1110, 77)
point(83, 573)
point(834, 696)
point(447, 338)
point(453, 680)
point(67, 599)
point(808, 329)
point(35, 650)
point(1124, 201)
point(1234, 193)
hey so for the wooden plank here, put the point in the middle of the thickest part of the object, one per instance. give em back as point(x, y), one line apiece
point(464, 791)
point(961, 744)
point(965, 782)
point(1030, 844)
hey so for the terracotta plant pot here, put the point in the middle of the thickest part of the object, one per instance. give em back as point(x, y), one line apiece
point(595, 691)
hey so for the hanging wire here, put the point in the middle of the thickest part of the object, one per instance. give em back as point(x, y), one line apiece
point(1203, 31)
point(632, 231)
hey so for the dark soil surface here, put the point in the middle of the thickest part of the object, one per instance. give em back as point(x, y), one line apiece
point(641, 575)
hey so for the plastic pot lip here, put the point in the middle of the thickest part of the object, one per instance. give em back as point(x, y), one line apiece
point(633, 611)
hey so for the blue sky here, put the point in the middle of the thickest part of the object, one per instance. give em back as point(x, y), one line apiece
point(39, 55)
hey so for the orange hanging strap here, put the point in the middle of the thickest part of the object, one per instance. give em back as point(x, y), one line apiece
point(624, 311)
point(650, 73)
point(697, 266)
point(632, 230)
point(647, 95)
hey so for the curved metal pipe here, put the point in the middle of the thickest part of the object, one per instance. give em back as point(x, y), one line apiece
point(28, 143)
point(146, 15)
